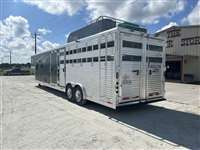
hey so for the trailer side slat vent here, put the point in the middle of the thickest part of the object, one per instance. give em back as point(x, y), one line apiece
point(154, 48)
point(131, 58)
point(110, 44)
point(130, 44)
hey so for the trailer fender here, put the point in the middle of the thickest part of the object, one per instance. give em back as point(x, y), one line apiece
point(83, 90)
point(81, 86)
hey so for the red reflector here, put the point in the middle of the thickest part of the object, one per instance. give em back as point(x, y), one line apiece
point(125, 98)
point(135, 97)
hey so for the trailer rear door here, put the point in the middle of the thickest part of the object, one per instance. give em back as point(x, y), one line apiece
point(131, 57)
point(154, 66)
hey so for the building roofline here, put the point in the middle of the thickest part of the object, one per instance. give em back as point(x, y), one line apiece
point(186, 26)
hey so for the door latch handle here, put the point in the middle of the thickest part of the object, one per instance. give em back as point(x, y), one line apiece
point(150, 72)
point(137, 71)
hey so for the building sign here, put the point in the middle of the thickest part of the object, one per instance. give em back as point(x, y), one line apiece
point(126, 79)
point(190, 41)
point(173, 33)
point(169, 43)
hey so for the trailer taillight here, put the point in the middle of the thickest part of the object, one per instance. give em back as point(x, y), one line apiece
point(117, 75)
point(117, 87)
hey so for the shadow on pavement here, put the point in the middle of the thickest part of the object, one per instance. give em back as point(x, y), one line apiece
point(168, 125)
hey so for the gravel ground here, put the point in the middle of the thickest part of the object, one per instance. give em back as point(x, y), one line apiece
point(41, 118)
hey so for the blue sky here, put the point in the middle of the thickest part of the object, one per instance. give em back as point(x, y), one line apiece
point(37, 18)
point(56, 19)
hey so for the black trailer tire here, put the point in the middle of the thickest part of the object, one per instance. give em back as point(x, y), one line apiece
point(78, 96)
point(69, 92)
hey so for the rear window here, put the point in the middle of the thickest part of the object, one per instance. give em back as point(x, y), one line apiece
point(131, 44)
point(131, 58)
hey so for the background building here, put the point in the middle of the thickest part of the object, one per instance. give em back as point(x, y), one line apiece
point(183, 53)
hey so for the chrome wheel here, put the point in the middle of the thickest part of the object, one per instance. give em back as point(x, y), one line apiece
point(78, 96)
point(69, 93)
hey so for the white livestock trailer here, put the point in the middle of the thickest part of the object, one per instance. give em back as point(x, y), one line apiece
point(115, 66)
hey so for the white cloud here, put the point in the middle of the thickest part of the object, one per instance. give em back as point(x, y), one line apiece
point(194, 17)
point(140, 11)
point(15, 36)
point(14, 26)
point(47, 45)
point(44, 31)
point(168, 26)
point(57, 7)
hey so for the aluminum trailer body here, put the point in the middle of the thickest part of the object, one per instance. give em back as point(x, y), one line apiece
point(114, 68)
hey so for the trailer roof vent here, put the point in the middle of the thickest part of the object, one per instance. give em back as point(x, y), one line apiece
point(101, 24)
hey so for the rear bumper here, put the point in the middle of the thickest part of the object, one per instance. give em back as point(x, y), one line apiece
point(142, 101)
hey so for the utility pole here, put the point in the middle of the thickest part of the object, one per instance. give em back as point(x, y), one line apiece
point(35, 38)
point(10, 57)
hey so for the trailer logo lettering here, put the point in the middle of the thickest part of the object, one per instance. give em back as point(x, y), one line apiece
point(126, 80)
